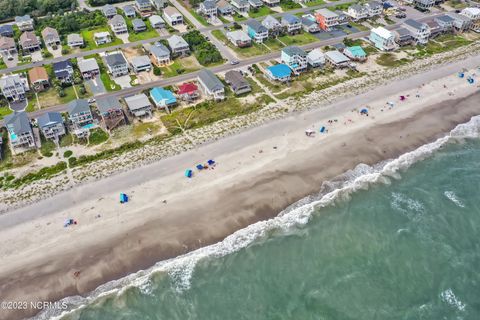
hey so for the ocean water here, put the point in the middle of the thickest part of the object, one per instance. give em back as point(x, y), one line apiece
point(400, 240)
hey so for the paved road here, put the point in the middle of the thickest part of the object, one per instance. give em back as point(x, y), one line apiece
point(222, 68)
point(226, 52)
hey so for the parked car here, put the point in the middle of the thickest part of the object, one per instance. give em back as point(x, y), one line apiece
point(234, 62)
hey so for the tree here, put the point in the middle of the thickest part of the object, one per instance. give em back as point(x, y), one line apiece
point(156, 70)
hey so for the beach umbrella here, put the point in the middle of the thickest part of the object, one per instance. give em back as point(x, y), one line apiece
point(461, 74)
point(210, 162)
point(322, 129)
point(199, 166)
point(364, 111)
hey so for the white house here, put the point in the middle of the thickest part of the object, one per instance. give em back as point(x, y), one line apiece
point(172, 16)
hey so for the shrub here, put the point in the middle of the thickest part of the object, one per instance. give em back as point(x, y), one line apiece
point(67, 154)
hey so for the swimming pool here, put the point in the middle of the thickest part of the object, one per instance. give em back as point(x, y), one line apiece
point(89, 126)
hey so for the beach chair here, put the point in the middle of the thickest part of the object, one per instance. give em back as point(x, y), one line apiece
point(199, 166)
point(322, 129)
point(188, 173)
point(211, 162)
point(461, 74)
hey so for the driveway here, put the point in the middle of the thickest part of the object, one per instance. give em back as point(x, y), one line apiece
point(96, 86)
point(55, 52)
point(18, 105)
point(36, 56)
point(12, 62)
point(123, 81)
point(123, 37)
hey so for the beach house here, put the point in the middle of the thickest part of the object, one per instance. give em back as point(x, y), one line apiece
point(474, 15)
point(211, 85)
point(88, 68)
point(374, 8)
point(461, 23)
point(420, 31)
point(309, 24)
point(102, 37)
point(138, 25)
point(255, 4)
point(435, 28)
point(139, 105)
point(336, 59)
point(273, 26)
point(24, 23)
point(38, 79)
point(188, 91)
point(279, 72)
point(172, 16)
point(358, 12)
point(224, 8)
point(6, 30)
point(7, 46)
point(163, 98)
point(256, 31)
point(118, 25)
point(178, 45)
point(129, 11)
point(291, 23)
point(75, 40)
point(382, 39)
point(29, 42)
point(63, 71)
point(295, 58)
point(239, 38)
point(79, 113)
point(240, 6)
point(13, 87)
point(271, 3)
point(116, 64)
point(316, 58)
point(50, 37)
point(111, 111)
point(208, 8)
point(109, 11)
point(326, 19)
point(143, 6)
point(20, 132)
point(403, 36)
point(355, 53)
point(51, 125)
point(423, 5)
point(156, 21)
point(444, 21)
point(237, 82)
point(141, 63)
point(159, 54)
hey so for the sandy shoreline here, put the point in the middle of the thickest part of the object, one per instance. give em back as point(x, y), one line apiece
point(258, 177)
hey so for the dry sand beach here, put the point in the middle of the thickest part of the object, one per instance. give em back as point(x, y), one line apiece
point(258, 173)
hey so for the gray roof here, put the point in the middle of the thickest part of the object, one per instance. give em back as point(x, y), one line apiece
point(326, 13)
point(74, 37)
point(414, 24)
point(444, 18)
point(374, 4)
point(240, 3)
point(270, 22)
point(138, 23)
point(256, 2)
point(128, 9)
point(140, 60)
point(143, 1)
point(457, 16)
point(24, 18)
point(294, 51)
point(106, 104)
point(235, 79)
point(10, 80)
point(18, 122)
point(176, 41)
point(308, 22)
point(86, 65)
point(337, 56)
point(210, 80)
point(117, 19)
point(238, 35)
point(115, 59)
point(78, 106)
point(256, 26)
point(209, 4)
point(138, 101)
point(108, 9)
point(159, 50)
point(154, 19)
point(49, 118)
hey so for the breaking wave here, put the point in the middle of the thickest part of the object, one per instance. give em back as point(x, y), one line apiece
point(181, 268)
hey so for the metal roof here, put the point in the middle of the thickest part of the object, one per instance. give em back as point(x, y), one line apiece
point(106, 104)
point(49, 118)
point(209, 79)
point(18, 122)
point(78, 106)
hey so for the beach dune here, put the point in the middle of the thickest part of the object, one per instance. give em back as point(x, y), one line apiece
point(258, 174)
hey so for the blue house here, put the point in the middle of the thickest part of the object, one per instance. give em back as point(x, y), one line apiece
point(355, 53)
point(6, 30)
point(279, 72)
point(162, 98)
point(295, 58)
point(256, 31)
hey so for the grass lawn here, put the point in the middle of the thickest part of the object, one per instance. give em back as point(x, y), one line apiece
point(147, 34)
point(287, 5)
point(238, 17)
point(47, 148)
point(254, 50)
point(208, 112)
point(358, 26)
point(140, 130)
point(97, 136)
point(298, 39)
point(441, 44)
point(66, 140)
point(181, 66)
point(314, 3)
point(199, 18)
point(272, 44)
point(90, 43)
point(2, 64)
point(109, 84)
point(4, 111)
point(262, 11)
point(389, 60)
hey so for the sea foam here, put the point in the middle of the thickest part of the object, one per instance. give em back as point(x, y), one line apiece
point(181, 268)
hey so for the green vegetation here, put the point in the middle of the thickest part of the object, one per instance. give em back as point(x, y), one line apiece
point(441, 44)
point(66, 140)
point(109, 84)
point(199, 17)
point(209, 112)
point(90, 43)
point(389, 60)
point(67, 154)
point(456, 4)
point(205, 52)
point(44, 173)
point(289, 5)
point(73, 21)
point(238, 17)
point(4, 110)
point(314, 3)
point(260, 12)
point(2, 64)
point(342, 7)
point(36, 8)
point(254, 50)
point(98, 3)
point(147, 34)
point(47, 147)
point(97, 136)
point(298, 39)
